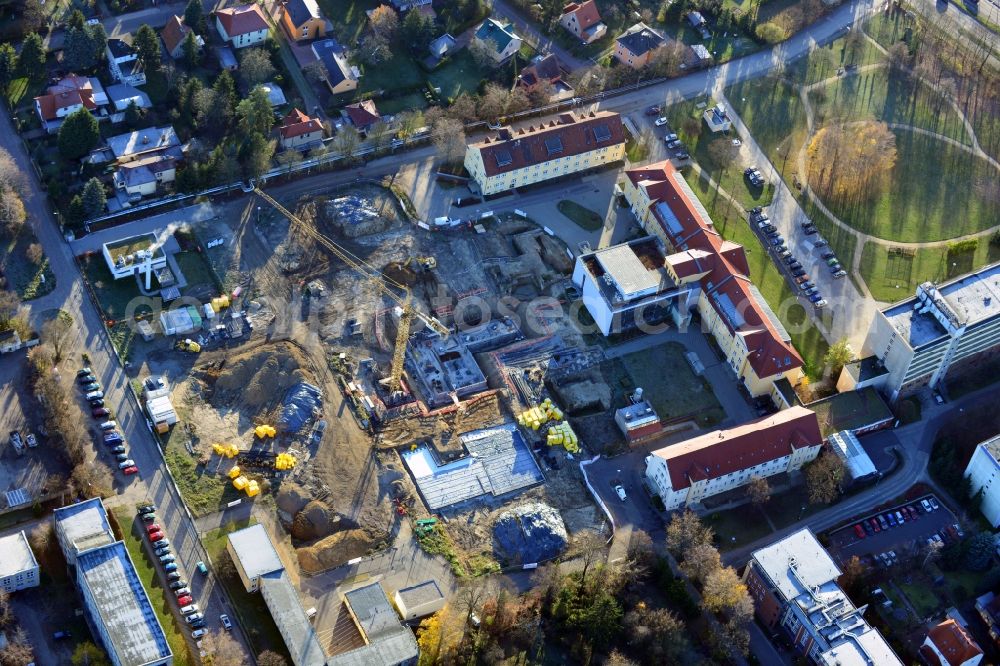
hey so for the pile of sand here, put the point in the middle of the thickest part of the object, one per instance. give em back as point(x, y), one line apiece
point(260, 379)
point(334, 550)
point(316, 521)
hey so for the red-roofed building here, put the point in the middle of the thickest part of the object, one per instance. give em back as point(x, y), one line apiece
point(733, 311)
point(69, 94)
point(949, 644)
point(299, 131)
point(686, 473)
point(173, 35)
point(583, 21)
point(242, 26)
point(362, 114)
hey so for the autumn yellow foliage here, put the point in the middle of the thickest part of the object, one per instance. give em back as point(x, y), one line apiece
point(851, 162)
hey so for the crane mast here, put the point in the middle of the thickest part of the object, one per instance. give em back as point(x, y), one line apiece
point(385, 285)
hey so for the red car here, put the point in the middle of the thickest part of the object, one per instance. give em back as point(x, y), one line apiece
point(155, 536)
point(874, 523)
point(153, 528)
point(913, 512)
point(860, 531)
point(100, 412)
point(185, 600)
point(128, 471)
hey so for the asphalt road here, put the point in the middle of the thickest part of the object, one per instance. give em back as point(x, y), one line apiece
point(846, 543)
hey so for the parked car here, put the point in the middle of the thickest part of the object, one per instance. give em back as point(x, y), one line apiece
point(682, 154)
point(202, 569)
point(914, 514)
point(891, 518)
point(900, 518)
point(182, 592)
point(126, 463)
point(926, 505)
point(815, 298)
point(869, 530)
point(194, 617)
point(767, 227)
point(226, 624)
point(771, 232)
point(819, 242)
point(860, 531)
point(121, 457)
point(100, 413)
point(197, 624)
point(653, 111)
point(166, 559)
point(777, 240)
point(806, 286)
point(97, 402)
point(661, 121)
point(799, 279)
point(620, 492)
point(178, 584)
point(875, 525)
point(189, 608)
point(148, 517)
point(84, 371)
point(798, 272)
point(832, 261)
point(129, 471)
point(820, 304)
point(170, 567)
point(95, 395)
point(108, 425)
point(840, 274)
point(812, 292)
point(118, 448)
point(934, 503)
point(86, 379)
point(173, 575)
point(809, 231)
point(673, 143)
point(160, 552)
point(160, 543)
point(153, 528)
point(794, 265)
point(90, 385)
point(883, 523)
point(61, 635)
point(198, 633)
point(754, 175)
point(671, 136)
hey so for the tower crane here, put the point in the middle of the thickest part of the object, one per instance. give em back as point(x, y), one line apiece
point(398, 293)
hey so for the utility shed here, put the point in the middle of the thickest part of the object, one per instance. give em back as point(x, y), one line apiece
point(418, 600)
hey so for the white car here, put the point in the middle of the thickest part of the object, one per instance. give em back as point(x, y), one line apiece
point(198, 633)
point(821, 303)
point(126, 463)
point(194, 617)
point(661, 121)
point(670, 137)
point(621, 492)
point(108, 425)
point(187, 610)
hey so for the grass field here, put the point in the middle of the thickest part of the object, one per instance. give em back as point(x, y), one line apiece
point(159, 597)
point(460, 74)
point(253, 612)
point(672, 387)
point(112, 295)
point(581, 216)
point(203, 491)
point(892, 273)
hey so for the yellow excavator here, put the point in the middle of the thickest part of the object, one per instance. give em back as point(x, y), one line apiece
point(398, 293)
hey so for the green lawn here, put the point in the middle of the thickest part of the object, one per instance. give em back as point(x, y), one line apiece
point(823, 62)
point(886, 95)
point(738, 526)
point(411, 102)
point(922, 596)
point(460, 74)
point(581, 216)
point(892, 274)
point(732, 224)
point(202, 489)
point(112, 295)
point(253, 612)
point(773, 112)
point(673, 388)
point(849, 410)
point(196, 269)
point(159, 597)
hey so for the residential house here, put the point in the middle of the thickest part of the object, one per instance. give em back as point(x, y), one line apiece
point(949, 644)
point(638, 45)
point(442, 46)
point(500, 39)
point(298, 131)
point(542, 70)
point(983, 471)
point(946, 327)
point(173, 35)
point(143, 177)
point(583, 21)
point(532, 154)
point(145, 143)
point(793, 583)
point(686, 473)
point(362, 114)
point(18, 566)
point(69, 94)
point(732, 310)
point(302, 19)
point(700, 57)
point(340, 75)
point(123, 63)
point(121, 95)
point(698, 22)
point(242, 26)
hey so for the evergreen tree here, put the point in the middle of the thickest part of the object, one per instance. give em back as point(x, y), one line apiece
point(93, 198)
point(192, 54)
point(76, 20)
point(8, 64)
point(147, 46)
point(78, 134)
point(255, 113)
point(78, 50)
point(133, 115)
point(193, 15)
point(225, 89)
point(31, 63)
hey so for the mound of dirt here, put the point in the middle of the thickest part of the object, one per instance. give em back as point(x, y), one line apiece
point(292, 498)
point(334, 550)
point(317, 520)
point(259, 378)
point(529, 533)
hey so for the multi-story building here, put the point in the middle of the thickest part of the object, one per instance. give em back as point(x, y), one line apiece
point(340, 75)
point(945, 326)
point(386, 642)
point(515, 157)
point(988, 607)
point(686, 473)
point(793, 583)
point(18, 566)
point(115, 603)
point(716, 272)
point(983, 471)
point(637, 46)
point(242, 26)
point(298, 131)
point(949, 644)
point(302, 19)
point(499, 38)
point(69, 94)
point(583, 21)
point(123, 63)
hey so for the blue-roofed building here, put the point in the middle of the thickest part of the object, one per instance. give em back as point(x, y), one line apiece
point(115, 602)
point(501, 40)
point(340, 75)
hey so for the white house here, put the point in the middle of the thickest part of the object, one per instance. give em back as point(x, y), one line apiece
point(984, 475)
point(67, 95)
point(144, 177)
point(123, 63)
point(18, 566)
point(132, 255)
point(503, 43)
point(686, 473)
point(242, 26)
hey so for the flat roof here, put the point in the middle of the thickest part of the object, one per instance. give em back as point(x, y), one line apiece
point(797, 563)
point(639, 413)
point(992, 447)
point(85, 524)
point(286, 609)
point(256, 552)
point(124, 608)
point(389, 641)
point(850, 410)
point(632, 277)
point(421, 593)
point(846, 445)
point(15, 554)
point(373, 611)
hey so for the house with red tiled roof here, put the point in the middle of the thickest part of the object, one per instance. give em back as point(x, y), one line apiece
point(949, 644)
point(732, 310)
point(299, 131)
point(532, 153)
point(362, 114)
point(242, 26)
point(686, 473)
point(583, 21)
point(173, 35)
point(69, 94)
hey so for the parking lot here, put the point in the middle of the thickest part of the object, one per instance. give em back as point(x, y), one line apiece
point(912, 533)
